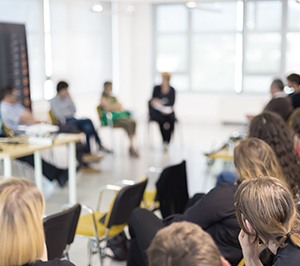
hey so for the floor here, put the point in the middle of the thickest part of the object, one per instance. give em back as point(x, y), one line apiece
point(189, 143)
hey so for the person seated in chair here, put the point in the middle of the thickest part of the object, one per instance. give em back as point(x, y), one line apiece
point(22, 241)
point(161, 108)
point(267, 215)
point(120, 117)
point(12, 114)
point(184, 243)
point(64, 110)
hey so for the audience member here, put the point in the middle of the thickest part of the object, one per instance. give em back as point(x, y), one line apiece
point(22, 241)
point(64, 110)
point(12, 113)
point(293, 81)
point(271, 128)
point(184, 243)
point(294, 123)
point(267, 214)
point(161, 108)
point(279, 103)
point(120, 117)
point(215, 211)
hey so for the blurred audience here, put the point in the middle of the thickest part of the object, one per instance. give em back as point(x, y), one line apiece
point(215, 211)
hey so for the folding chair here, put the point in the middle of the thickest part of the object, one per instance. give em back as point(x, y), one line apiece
point(172, 192)
point(100, 226)
point(60, 231)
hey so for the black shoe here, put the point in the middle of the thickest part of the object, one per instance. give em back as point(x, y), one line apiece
point(62, 179)
point(102, 148)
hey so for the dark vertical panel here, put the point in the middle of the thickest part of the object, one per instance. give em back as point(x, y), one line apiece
point(14, 68)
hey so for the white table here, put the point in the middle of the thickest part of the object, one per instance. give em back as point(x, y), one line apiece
point(13, 151)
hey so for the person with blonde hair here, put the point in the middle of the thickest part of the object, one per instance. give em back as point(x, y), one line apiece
point(22, 240)
point(161, 108)
point(267, 214)
point(184, 243)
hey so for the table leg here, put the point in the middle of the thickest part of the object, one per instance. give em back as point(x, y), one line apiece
point(38, 173)
point(72, 172)
point(7, 166)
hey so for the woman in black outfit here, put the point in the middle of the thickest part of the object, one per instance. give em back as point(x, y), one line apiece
point(22, 241)
point(161, 108)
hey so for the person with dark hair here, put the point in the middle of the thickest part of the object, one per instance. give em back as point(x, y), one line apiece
point(120, 117)
point(161, 108)
point(215, 211)
point(267, 214)
point(64, 110)
point(271, 128)
point(279, 103)
point(293, 81)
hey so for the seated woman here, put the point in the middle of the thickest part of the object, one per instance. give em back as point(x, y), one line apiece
point(267, 214)
point(120, 117)
point(22, 241)
point(215, 211)
point(161, 108)
point(271, 128)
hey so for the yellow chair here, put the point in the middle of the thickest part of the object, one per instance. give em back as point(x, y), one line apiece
point(53, 119)
point(100, 226)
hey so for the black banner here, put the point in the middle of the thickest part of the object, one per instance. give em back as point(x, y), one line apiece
point(14, 69)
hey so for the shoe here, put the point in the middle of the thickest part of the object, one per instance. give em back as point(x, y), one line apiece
point(89, 170)
point(62, 179)
point(133, 153)
point(91, 158)
point(102, 148)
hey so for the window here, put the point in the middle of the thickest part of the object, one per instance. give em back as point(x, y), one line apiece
point(227, 45)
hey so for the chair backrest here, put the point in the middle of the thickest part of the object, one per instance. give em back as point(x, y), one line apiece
point(60, 230)
point(127, 199)
point(53, 119)
point(172, 191)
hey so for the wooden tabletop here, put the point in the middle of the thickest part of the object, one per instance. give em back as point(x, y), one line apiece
point(19, 147)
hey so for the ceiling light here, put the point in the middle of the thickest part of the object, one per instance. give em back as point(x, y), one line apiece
point(130, 8)
point(191, 4)
point(97, 8)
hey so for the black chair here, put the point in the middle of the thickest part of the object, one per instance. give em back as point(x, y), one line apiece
point(100, 226)
point(172, 191)
point(60, 231)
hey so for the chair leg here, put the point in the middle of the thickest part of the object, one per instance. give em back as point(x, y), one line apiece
point(90, 251)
